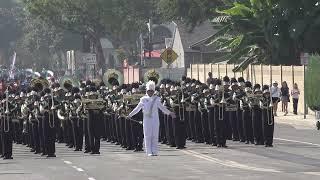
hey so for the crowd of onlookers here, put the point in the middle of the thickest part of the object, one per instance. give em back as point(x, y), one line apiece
point(284, 95)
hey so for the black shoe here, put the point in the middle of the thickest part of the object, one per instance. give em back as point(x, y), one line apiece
point(318, 125)
point(117, 143)
point(129, 148)
point(77, 150)
point(7, 158)
point(32, 150)
point(268, 145)
point(44, 154)
point(86, 151)
point(51, 155)
point(181, 147)
point(37, 152)
point(224, 146)
point(138, 149)
point(94, 152)
point(219, 145)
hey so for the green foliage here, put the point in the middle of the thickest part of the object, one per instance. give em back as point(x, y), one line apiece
point(121, 54)
point(120, 21)
point(270, 32)
point(190, 11)
point(312, 83)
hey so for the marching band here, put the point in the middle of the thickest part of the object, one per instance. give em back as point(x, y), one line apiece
point(82, 114)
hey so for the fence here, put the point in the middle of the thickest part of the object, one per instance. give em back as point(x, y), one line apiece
point(262, 74)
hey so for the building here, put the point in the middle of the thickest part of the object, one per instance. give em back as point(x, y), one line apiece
point(190, 45)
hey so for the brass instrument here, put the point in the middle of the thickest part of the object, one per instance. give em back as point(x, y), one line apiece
point(6, 125)
point(152, 75)
point(222, 103)
point(39, 84)
point(93, 104)
point(112, 76)
point(231, 107)
point(268, 107)
point(67, 82)
point(51, 120)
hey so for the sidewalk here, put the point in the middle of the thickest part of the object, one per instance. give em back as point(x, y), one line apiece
point(297, 121)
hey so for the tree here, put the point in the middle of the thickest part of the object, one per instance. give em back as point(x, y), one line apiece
point(312, 85)
point(9, 29)
point(259, 31)
point(191, 12)
point(118, 20)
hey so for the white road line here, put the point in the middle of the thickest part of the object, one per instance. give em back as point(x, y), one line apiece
point(312, 173)
point(301, 142)
point(75, 167)
point(91, 178)
point(229, 163)
point(67, 162)
point(79, 169)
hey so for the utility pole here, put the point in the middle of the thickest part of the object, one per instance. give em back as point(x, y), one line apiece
point(150, 37)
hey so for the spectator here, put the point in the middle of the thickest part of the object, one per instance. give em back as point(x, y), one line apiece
point(285, 97)
point(210, 80)
point(275, 95)
point(295, 92)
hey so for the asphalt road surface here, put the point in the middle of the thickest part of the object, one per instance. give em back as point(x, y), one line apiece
point(295, 155)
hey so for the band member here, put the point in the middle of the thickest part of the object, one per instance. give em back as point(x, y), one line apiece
point(246, 113)
point(256, 115)
point(233, 109)
point(219, 115)
point(94, 124)
point(150, 105)
point(240, 94)
point(267, 117)
point(7, 126)
point(49, 124)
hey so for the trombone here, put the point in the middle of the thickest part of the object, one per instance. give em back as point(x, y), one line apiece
point(51, 120)
point(6, 122)
point(222, 103)
point(270, 119)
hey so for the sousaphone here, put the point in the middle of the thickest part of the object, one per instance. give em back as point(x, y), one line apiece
point(112, 77)
point(68, 82)
point(153, 75)
point(39, 84)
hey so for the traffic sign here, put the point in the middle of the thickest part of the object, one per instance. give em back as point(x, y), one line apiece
point(169, 56)
point(304, 58)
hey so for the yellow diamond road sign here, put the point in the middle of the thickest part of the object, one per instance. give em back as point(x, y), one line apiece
point(169, 56)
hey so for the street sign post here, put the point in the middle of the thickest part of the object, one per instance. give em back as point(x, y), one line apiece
point(169, 56)
point(304, 58)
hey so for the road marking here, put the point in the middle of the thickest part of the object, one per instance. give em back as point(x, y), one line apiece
point(301, 142)
point(228, 163)
point(67, 162)
point(312, 173)
point(91, 178)
point(79, 169)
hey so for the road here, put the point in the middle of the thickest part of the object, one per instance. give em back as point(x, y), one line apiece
point(295, 155)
